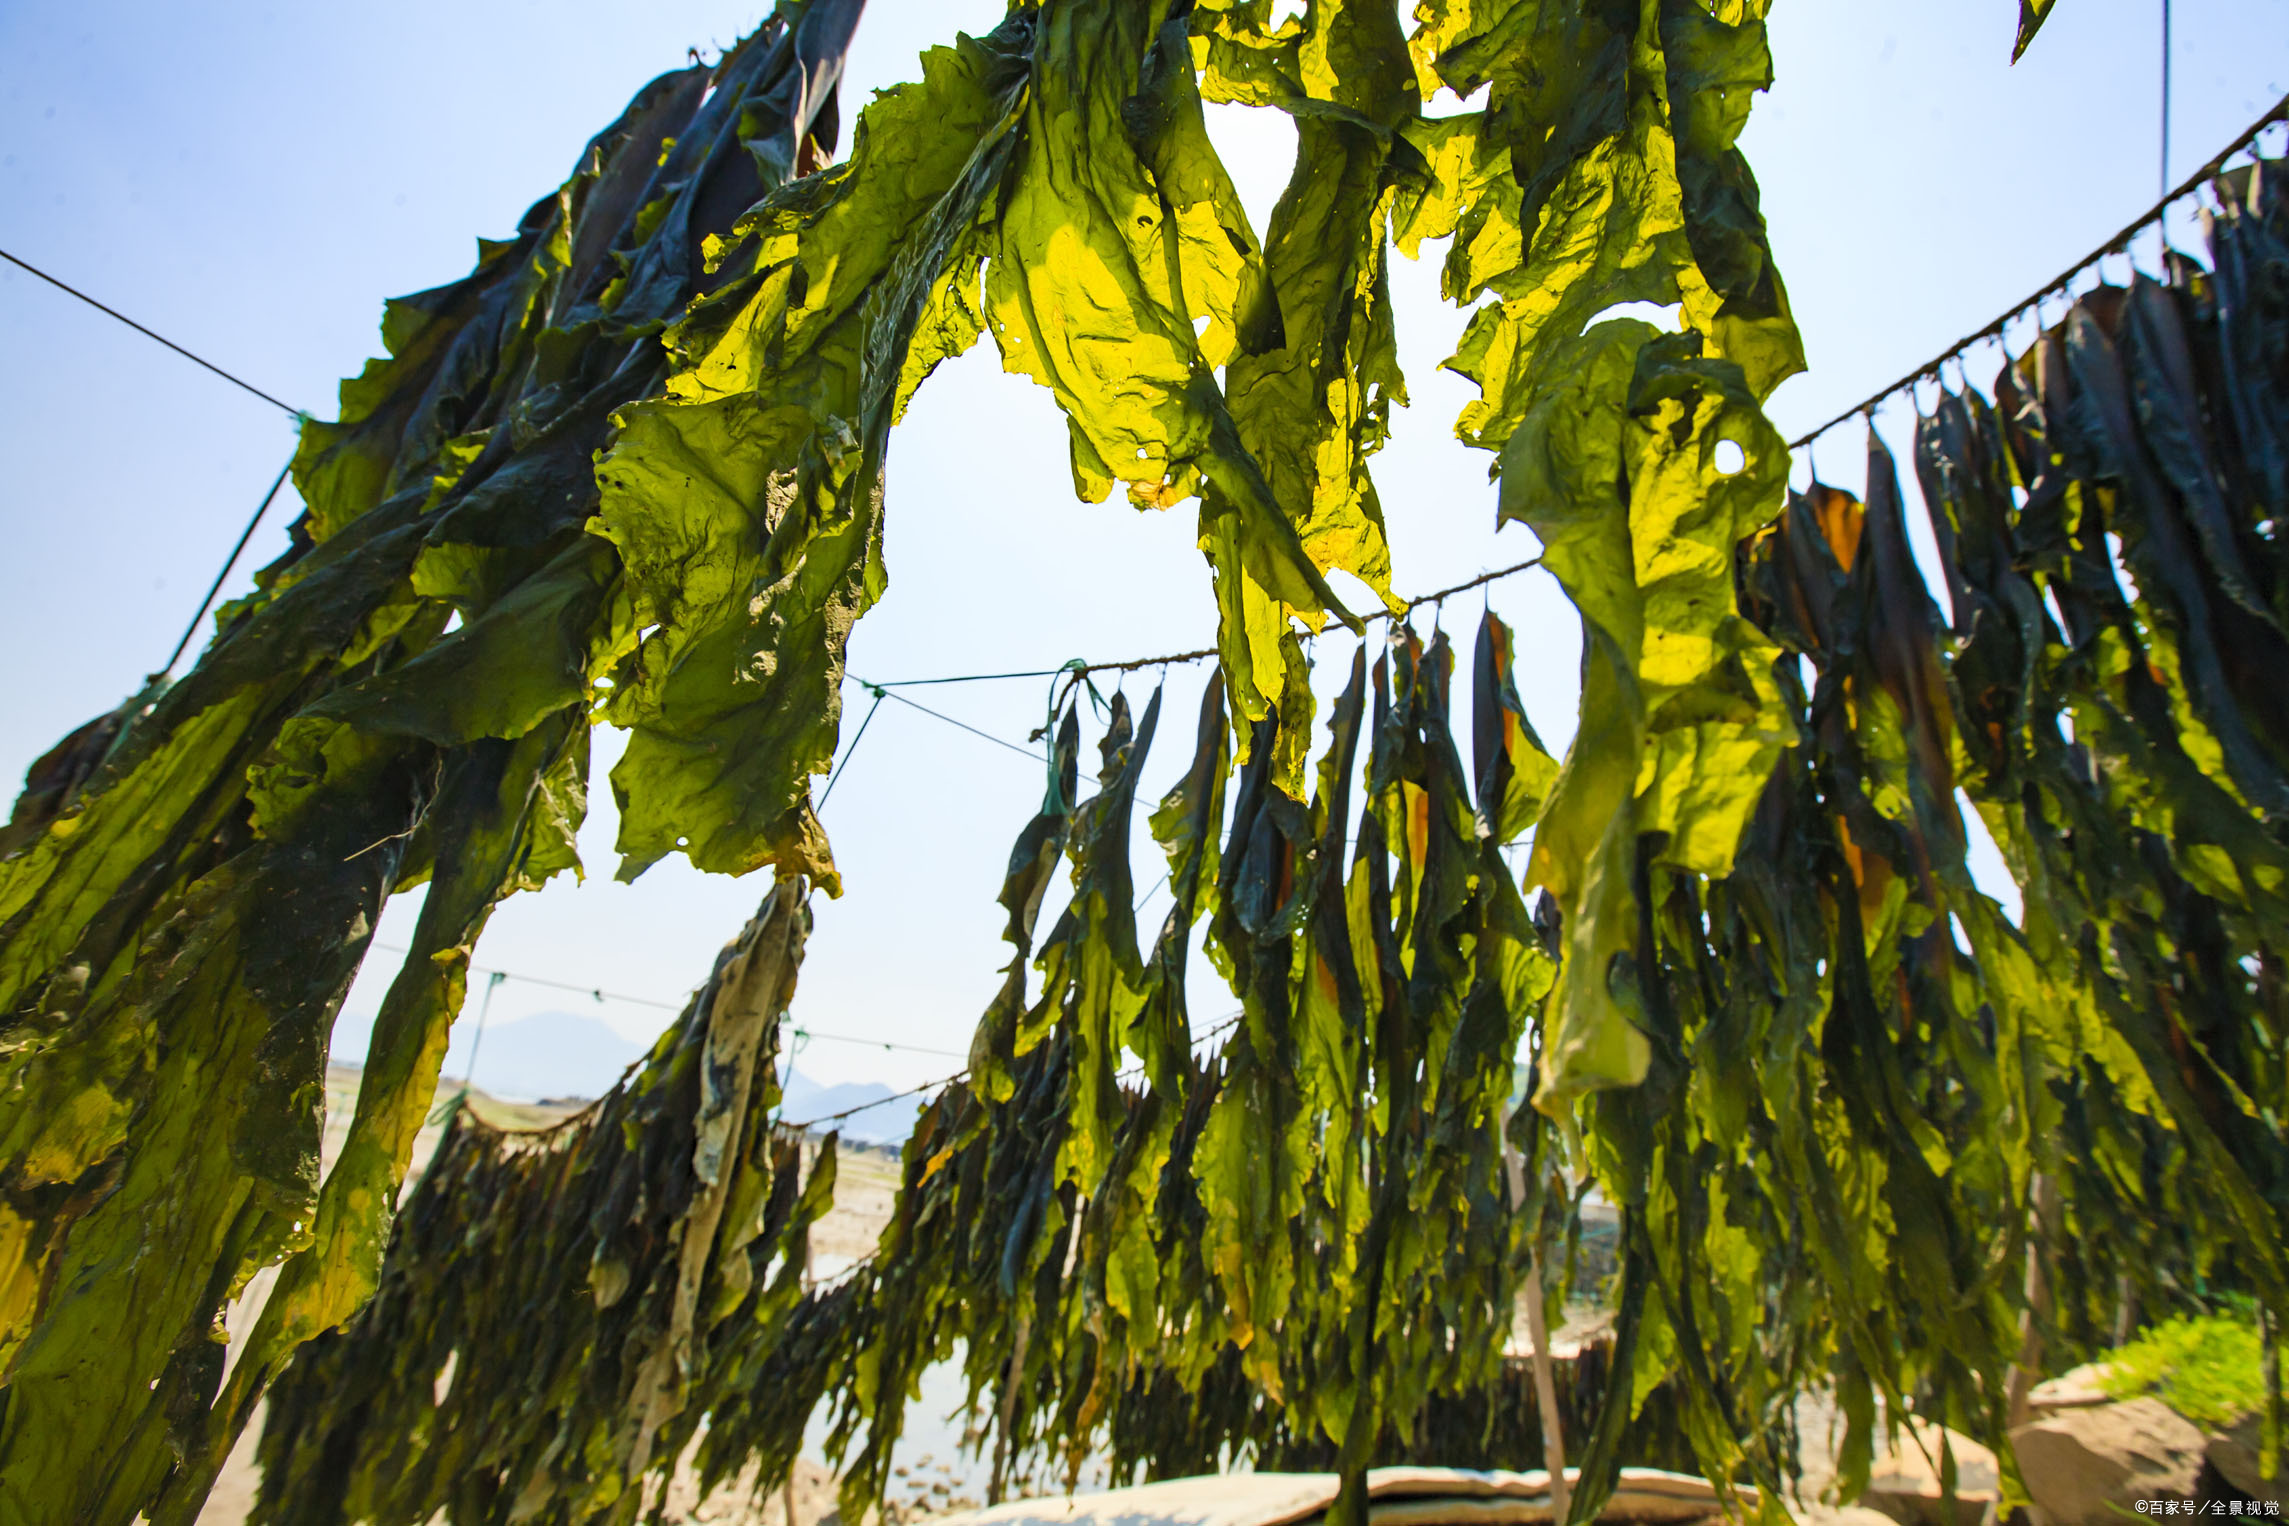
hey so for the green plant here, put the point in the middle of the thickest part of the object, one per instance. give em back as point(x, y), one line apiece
point(2210, 1368)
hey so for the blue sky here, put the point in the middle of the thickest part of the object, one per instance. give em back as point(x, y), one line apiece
point(253, 180)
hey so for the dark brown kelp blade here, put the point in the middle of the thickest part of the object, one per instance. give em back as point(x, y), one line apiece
point(557, 1310)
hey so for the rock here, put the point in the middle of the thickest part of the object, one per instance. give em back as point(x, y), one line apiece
point(2081, 1388)
point(2091, 1466)
point(1903, 1482)
point(2235, 1455)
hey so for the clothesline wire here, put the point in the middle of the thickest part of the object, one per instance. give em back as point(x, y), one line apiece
point(968, 678)
point(2115, 245)
point(224, 571)
point(809, 1124)
point(600, 994)
point(828, 793)
point(197, 360)
point(882, 691)
point(261, 509)
point(1201, 654)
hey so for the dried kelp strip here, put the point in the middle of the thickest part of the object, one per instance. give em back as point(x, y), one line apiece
point(559, 1310)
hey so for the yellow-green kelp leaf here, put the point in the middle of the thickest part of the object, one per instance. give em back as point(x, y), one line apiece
point(747, 502)
point(2032, 15)
point(1615, 467)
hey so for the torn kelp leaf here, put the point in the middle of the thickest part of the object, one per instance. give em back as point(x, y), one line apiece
point(1614, 467)
point(747, 501)
point(1620, 127)
point(1311, 398)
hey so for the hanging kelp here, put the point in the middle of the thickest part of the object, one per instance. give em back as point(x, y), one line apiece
point(558, 1311)
point(179, 922)
point(1309, 1229)
point(2110, 526)
point(1306, 1231)
point(215, 875)
point(1857, 1070)
point(1841, 1104)
point(1060, 166)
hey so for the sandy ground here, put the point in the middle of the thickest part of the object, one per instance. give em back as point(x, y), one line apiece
point(865, 1183)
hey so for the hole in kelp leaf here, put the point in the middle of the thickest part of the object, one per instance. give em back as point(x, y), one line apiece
point(452, 623)
point(2058, 617)
point(1660, 316)
point(1258, 148)
point(1728, 457)
point(2122, 568)
point(1474, 101)
point(1983, 856)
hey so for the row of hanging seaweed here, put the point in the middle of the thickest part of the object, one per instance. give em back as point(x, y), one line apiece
point(1836, 1074)
point(631, 470)
point(190, 884)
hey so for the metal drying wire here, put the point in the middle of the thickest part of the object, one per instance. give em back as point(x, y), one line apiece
point(1081, 669)
point(809, 1124)
point(2118, 244)
point(113, 312)
point(599, 994)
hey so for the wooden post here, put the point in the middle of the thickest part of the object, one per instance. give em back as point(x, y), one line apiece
point(1001, 1446)
point(787, 1496)
point(1545, 1380)
point(2024, 1371)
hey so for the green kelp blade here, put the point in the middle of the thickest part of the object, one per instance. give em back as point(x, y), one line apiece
point(1119, 209)
point(1512, 770)
point(493, 822)
point(2032, 15)
point(747, 501)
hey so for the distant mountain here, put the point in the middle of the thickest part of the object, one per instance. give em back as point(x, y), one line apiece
point(563, 1054)
point(548, 1054)
point(885, 1123)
